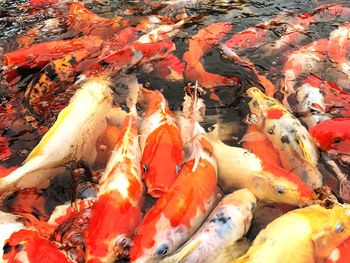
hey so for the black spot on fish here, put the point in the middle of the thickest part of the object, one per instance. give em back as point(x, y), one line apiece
point(36, 91)
point(19, 247)
point(220, 218)
point(7, 248)
point(73, 61)
point(285, 139)
point(255, 104)
point(145, 168)
point(51, 72)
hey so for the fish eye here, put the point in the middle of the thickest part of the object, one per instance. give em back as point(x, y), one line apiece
point(162, 250)
point(145, 168)
point(6, 248)
point(337, 140)
point(280, 189)
point(339, 227)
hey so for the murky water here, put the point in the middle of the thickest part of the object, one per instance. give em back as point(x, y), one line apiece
point(23, 131)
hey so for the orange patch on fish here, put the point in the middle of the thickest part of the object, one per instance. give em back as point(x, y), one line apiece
point(274, 114)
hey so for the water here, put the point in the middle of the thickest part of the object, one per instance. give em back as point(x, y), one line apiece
point(23, 129)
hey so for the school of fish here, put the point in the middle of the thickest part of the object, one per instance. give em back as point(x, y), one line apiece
point(151, 183)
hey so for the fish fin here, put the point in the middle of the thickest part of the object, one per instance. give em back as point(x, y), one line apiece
point(234, 251)
point(131, 82)
point(183, 253)
point(253, 137)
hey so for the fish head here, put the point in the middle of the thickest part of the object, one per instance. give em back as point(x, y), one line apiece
point(155, 239)
point(260, 104)
point(333, 137)
point(27, 245)
point(331, 226)
point(275, 184)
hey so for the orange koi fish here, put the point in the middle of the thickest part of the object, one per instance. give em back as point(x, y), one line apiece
point(199, 45)
point(178, 213)
point(260, 146)
point(270, 89)
point(28, 246)
point(160, 143)
point(117, 210)
point(81, 20)
point(39, 55)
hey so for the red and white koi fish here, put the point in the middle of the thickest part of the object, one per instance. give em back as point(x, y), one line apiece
point(290, 138)
point(131, 55)
point(199, 45)
point(27, 245)
point(85, 119)
point(160, 142)
point(178, 213)
point(340, 254)
point(339, 48)
point(302, 62)
point(218, 239)
point(239, 168)
point(117, 210)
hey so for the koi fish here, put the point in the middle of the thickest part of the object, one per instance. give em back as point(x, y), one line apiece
point(218, 239)
point(178, 213)
point(8, 225)
point(310, 105)
point(53, 76)
point(302, 62)
point(170, 68)
point(199, 45)
point(340, 254)
point(47, 28)
point(290, 139)
point(28, 246)
point(312, 233)
point(333, 137)
point(239, 168)
point(160, 142)
point(131, 55)
point(338, 48)
point(81, 20)
point(120, 193)
point(39, 55)
point(270, 89)
point(84, 117)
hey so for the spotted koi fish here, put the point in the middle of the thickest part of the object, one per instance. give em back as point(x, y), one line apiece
point(290, 139)
point(178, 213)
point(218, 239)
point(160, 142)
point(84, 117)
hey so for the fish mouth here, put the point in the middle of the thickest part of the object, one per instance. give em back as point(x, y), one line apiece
point(156, 192)
point(122, 246)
